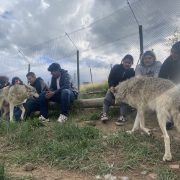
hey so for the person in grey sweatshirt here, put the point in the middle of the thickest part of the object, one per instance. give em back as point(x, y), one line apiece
point(148, 66)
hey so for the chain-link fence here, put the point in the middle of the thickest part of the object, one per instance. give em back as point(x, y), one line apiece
point(104, 41)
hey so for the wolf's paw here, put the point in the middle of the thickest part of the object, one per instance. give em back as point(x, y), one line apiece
point(167, 157)
point(147, 131)
point(129, 132)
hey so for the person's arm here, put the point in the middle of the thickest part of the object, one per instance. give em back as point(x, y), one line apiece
point(163, 73)
point(44, 86)
point(112, 76)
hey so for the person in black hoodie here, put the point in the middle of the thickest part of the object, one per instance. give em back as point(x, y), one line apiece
point(61, 91)
point(119, 73)
point(170, 69)
point(33, 105)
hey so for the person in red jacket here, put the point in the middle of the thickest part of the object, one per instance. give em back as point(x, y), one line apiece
point(119, 73)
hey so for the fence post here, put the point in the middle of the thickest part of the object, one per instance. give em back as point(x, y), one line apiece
point(141, 39)
point(29, 68)
point(78, 77)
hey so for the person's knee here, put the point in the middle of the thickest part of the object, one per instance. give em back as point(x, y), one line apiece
point(65, 93)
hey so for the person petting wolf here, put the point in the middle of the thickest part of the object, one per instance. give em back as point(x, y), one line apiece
point(61, 91)
point(118, 74)
point(38, 83)
point(170, 69)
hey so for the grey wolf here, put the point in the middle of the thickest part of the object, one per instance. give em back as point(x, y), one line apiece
point(157, 94)
point(15, 96)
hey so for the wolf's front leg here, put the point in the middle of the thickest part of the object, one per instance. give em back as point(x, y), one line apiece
point(136, 124)
point(142, 122)
point(11, 107)
point(23, 111)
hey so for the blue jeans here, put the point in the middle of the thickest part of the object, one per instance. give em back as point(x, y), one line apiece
point(65, 97)
point(31, 105)
point(17, 113)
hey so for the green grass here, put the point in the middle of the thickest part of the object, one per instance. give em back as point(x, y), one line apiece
point(83, 148)
point(2, 172)
point(93, 90)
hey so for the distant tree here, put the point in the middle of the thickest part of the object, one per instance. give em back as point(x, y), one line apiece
point(174, 38)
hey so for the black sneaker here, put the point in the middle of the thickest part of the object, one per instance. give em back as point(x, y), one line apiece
point(169, 125)
point(120, 122)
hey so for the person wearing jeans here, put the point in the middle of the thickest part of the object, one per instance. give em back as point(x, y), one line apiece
point(118, 74)
point(64, 97)
point(61, 91)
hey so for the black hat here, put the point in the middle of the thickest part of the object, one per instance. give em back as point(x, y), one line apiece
point(176, 47)
point(54, 67)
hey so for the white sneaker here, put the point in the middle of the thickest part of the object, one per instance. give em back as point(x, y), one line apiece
point(43, 119)
point(62, 118)
point(104, 117)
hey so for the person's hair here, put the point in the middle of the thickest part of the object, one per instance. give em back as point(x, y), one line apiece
point(176, 47)
point(148, 53)
point(128, 56)
point(14, 79)
point(54, 67)
point(4, 81)
point(30, 74)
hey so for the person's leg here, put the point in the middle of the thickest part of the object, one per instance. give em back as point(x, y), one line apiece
point(108, 101)
point(17, 113)
point(67, 99)
point(31, 105)
point(43, 105)
point(123, 108)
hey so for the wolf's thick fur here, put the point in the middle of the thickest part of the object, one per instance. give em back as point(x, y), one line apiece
point(15, 96)
point(156, 94)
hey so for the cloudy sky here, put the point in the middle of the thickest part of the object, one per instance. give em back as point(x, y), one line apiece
point(39, 32)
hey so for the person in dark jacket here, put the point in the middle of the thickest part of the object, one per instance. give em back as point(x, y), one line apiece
point(119, 73)
point(33, 105)
point(61, 91)
point(170, 69)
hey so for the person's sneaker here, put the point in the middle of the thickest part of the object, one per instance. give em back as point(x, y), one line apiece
point(43, 119)
point(120, 121)
point(169, 125)
point(62, 118)
point(104, 117)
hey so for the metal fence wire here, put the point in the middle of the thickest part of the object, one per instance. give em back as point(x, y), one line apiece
point(105, 40)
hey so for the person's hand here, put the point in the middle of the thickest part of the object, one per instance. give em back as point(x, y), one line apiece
point(112, 89)
point(49, 94)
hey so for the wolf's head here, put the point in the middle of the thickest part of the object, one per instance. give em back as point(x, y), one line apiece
point(31, 91)
point(119, 93)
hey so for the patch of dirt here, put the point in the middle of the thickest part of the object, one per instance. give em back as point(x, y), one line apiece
point(46, 173)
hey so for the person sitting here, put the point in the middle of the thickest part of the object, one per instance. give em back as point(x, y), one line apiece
point(4, 81)
point(170, 69)
point(17, 111)
point(61, 91)
point(148, 66)
point(171, 66)
point(33, 105)
point(119, 73)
